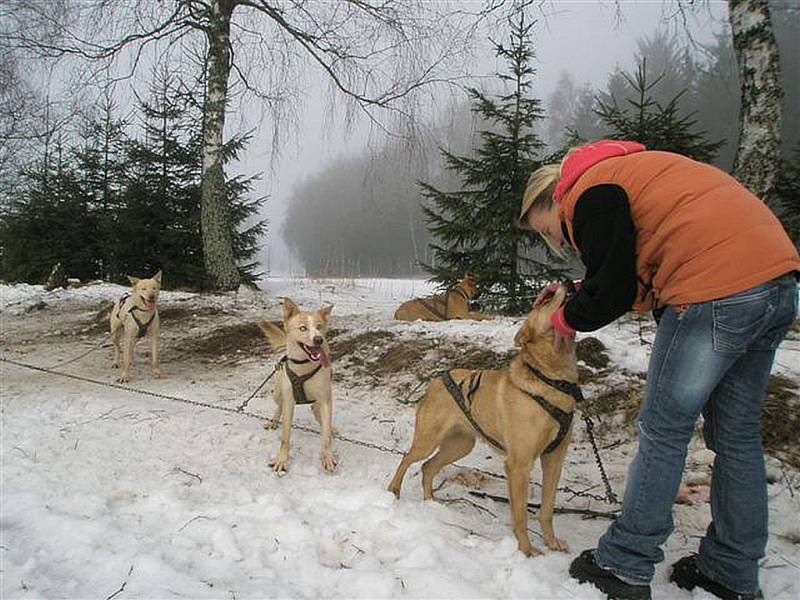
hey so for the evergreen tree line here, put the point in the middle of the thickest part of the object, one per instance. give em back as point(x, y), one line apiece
point(123, 197)
point(459, 217)
point(473, 226)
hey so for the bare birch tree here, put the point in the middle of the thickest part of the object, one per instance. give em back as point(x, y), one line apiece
point(759, 150)
point(375, 54)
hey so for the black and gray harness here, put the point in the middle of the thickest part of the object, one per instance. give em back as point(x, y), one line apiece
point(142, 326)
point(563, 418)
point(298, 381)
point(433, 309)
point(465, 401)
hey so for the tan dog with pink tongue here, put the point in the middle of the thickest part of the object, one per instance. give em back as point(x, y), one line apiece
point(133, 317)
point(303, 377)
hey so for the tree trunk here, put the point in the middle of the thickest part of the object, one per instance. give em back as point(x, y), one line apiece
point(215, 218)
point(758, 154)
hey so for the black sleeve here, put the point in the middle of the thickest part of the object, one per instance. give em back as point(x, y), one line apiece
point(606, 239)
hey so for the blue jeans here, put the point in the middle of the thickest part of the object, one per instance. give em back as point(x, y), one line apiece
point(715, 358)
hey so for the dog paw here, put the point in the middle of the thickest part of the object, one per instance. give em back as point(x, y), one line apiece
point(557, 544)
point(158, 374)
point(115, 365)
point(123, 379)
point(530, 551)
point(279, 466)
point(271, 424)
point(328, 463)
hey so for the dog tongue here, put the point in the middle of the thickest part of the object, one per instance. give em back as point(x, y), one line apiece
point(323, 358)
point(151, 306)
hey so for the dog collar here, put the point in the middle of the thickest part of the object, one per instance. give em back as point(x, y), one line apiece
point(567, 387)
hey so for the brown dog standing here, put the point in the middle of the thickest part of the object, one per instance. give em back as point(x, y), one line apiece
point(134, 316)
point(303, 378)
point(503, 404)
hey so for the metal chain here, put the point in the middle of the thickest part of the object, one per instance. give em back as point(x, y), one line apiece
point(128, 388)
point(244, 404)
point(407, 400)
point(100, 344)
point(610, 497)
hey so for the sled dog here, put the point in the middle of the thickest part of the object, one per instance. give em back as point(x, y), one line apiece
point(524, 410)
point(452, 304)
point(132, 317)
point(303, 376)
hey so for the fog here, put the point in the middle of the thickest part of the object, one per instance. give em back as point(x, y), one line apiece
point(586, 39)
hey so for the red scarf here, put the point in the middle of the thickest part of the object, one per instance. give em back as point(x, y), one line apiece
point(582, 159)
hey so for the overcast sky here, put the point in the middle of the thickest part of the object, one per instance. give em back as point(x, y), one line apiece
point(583, 37)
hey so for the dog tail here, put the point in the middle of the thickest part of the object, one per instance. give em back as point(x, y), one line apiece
point(107, 314)
point(275, 335)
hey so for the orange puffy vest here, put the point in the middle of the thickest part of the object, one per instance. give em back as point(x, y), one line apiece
point(700, 234)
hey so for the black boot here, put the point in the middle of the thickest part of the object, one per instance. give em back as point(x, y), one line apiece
point(584, 569)
point(687, 576)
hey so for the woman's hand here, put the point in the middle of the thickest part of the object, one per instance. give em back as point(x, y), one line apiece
point(550, 290)
point(547, 293)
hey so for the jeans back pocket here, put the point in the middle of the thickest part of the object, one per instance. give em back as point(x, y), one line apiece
point(740, 318)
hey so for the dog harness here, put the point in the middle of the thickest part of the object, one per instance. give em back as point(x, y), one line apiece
point(297, 381)
point(435, 311)
point(563, 418)
point(142, 326)
point(464, 402)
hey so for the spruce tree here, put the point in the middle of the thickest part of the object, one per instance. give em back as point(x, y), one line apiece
point(48, 220)
point(113, 205)
point(659, 127)
point(475, 227)
point(158, 228)
point(163, 198)
point(101, 163)
point(248, 228)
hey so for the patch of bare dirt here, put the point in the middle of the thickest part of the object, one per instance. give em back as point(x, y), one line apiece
point(780, 419)
point(232, 343)
point(591, 351)
point(341, 348)
point(170, 316)
point(229, 343)
point(380, 356)
point(620, 400)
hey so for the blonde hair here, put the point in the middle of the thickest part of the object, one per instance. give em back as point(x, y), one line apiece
point(539, 190)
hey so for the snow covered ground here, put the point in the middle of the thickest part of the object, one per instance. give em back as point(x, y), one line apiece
point(107, 492)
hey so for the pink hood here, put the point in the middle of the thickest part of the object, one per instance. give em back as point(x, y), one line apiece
point(583, 158)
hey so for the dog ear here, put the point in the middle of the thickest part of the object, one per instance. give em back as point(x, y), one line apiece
point(289, 309)
point(325, 311)
point(524, 334)
point(275, 335)
point(133, 280)
point(157, 277)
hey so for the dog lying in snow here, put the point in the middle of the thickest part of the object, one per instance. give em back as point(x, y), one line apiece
point(132, 317)
point(453, 304)
point(524, 410)
point(304, 376)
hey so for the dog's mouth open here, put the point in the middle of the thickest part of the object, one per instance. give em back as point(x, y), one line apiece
point(149, 302)
point(317, 354)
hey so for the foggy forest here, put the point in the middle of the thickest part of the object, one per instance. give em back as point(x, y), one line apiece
point(180, 127)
